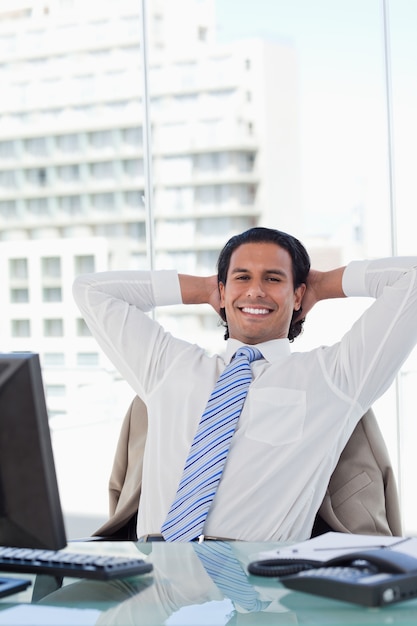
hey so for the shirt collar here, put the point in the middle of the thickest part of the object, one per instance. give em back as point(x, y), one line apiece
point(271, 350)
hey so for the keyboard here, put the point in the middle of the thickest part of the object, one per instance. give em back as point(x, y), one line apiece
point(61, 563)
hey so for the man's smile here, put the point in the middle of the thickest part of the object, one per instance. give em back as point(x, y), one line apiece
point(255, 311)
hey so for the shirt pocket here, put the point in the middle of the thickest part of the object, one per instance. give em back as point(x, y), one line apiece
point(276, 415)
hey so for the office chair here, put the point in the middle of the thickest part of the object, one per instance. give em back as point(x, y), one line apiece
point(361, 497)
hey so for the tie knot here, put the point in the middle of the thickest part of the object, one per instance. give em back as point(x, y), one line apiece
point(253, 354)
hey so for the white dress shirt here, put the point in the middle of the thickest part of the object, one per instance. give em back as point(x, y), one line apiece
point(300, 410)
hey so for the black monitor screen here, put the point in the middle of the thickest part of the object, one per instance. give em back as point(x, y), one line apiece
point(30, 508)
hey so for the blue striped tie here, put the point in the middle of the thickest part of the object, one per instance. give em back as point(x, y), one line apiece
point(208, 452)
point(228, 574)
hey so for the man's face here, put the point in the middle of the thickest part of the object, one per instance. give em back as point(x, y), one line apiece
point(259, 297)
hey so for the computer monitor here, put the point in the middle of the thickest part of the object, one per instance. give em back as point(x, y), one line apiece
point(30, 507)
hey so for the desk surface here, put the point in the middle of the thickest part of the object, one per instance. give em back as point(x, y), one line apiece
point(181, 591)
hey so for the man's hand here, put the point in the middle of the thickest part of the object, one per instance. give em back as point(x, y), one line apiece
point(200, 290)
point(321, 286)
point(213, 293)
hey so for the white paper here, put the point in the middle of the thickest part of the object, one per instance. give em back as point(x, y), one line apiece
point(333, 544)
point(35, 615)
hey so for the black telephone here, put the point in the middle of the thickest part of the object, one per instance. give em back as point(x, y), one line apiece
point(371, 578)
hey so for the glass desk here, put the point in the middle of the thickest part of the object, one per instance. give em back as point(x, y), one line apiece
point(187, 587)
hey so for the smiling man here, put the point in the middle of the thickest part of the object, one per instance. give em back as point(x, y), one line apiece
point(301, 407)
point(260, 297)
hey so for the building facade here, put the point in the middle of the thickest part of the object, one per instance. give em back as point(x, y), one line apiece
point(220, 122)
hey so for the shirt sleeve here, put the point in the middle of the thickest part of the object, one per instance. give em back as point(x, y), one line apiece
point(115, 306)
point(353, 281)
point(365, 362)
point(166, 288)
point(368, 278)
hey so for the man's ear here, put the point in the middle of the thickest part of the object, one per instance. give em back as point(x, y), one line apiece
point(221, 292)
point(299, 295)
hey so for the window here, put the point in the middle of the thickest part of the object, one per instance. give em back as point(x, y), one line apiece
point(133, 168)
point(173, 200)
point(132, 137)
point(53, 327)
point(247, 193)
point(51, 266)
point(137, 231)
point(70, 204)
point(102, 171)
point(36, 177)
point(20, 328)
point(18, 268)
point(7, 149)
point(209, 195)
point(87, 359)
point(102, 200)
point(111, 230)
point(208, 162)
point(68, 173)
point(7, 179)
point(19, 295)
point(37, 206)
point(37, 146)
point(54, 359)
point(69, 143)
point(101, 139)
point(246, 162)
point(82, 329)
point(7, 208)
point(134, 198)
point(55, 391)
point(52, 294)
point(84, 264)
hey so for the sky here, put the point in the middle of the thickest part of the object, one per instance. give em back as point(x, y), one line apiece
point(351, 110)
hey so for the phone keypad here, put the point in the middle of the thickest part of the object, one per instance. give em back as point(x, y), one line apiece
point(336, 572)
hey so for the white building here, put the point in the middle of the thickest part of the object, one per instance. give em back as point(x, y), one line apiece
point(222, 124)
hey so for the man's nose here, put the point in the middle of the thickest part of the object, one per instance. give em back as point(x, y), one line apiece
point(255, 289)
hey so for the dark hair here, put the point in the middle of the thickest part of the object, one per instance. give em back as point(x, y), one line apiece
point(299, 257)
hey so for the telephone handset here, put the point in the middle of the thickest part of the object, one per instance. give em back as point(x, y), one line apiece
point(370, 577)
point(381, 560)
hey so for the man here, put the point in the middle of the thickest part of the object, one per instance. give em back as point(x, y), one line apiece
point(301, 408)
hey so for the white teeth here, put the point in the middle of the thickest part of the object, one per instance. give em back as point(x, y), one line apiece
point(255, 311)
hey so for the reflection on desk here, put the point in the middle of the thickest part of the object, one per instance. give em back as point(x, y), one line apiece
point(201, 584)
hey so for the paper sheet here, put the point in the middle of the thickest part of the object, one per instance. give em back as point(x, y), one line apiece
point(35, 615)
point(333, 544)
